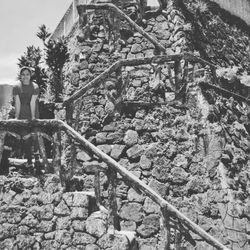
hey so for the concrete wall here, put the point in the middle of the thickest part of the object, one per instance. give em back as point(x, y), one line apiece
point(240, 8)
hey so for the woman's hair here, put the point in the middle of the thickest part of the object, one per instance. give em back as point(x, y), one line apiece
point(25, 68)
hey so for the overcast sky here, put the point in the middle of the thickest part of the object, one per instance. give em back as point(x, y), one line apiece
point(19, 21)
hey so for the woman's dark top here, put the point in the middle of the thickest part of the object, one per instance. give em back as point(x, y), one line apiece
point(25, 93)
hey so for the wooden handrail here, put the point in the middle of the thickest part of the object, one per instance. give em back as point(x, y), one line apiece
point(135, 62)
point(112, 7)
point(128, 176)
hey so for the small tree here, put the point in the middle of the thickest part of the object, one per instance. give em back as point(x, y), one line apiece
point(54, 55)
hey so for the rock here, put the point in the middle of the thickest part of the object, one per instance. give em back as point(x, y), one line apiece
point(117, 151)
point(135, 152)
point(115, 137)
point(79, 225)
point(180, 161)
point(145, 163)
point(101, 138)
point(63, 237)
point(131, 138)
point(97, 224)
point(79, 213)
point(197, 185)
point(117, 242)
point(179, 175)
point(150, 225)
point(105, 148)
point(92, 247)
point(159, 187)
point(47, 212)
point(161, 172)
point(128, 225)
point(134, 196)
point(110, 127)
point(80, 199)
point(150, 206)
point(52, 184)
point(83, 156)
point(29, 221)
point(82, 239)
point(62, 209)
point(24, 241)
point(131, 211)
point(45, 226)
point(63, 223)
point(138, 124)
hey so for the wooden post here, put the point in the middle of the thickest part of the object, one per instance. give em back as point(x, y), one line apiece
point(57, 152)
point(112, 177)
point(165, 228)
point(97, 188)
point(177, 71)
point(2, 139)
point(42, 152)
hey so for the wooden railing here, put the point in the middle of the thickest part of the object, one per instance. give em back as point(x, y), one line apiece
point(82, 7)
point(113, 169)
point(116, 67)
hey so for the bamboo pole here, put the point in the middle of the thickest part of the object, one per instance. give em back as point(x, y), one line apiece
point(130, 178)
point(112, 7)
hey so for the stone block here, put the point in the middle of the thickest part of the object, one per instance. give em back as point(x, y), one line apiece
point(63, 223)
point(105, 148)
point(110, 241)
point(79, 213)
point(160, 188)
point(145, 163)
point(62, 209)
point(82, 239)
point(83, 156)
point(97, 224)
point(79, 225)
point(150, 206)
point(80, 199)
point(131, 211)
point(130, 138)
point(135, 152)
point(134, 196)
point(150, 225)
point(117, 151)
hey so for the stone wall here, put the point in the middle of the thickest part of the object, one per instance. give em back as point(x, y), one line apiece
point(37, 214)
point(171, 147)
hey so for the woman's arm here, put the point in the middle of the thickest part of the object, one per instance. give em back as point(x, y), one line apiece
point(33, 106)
point(17, 106)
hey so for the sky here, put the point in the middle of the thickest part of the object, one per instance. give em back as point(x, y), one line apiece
point(19, 22)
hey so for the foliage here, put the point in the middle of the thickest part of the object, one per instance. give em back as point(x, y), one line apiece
point(47, 64)
point(56, 54)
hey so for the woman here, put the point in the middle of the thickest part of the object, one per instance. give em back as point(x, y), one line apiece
point(26, 106)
